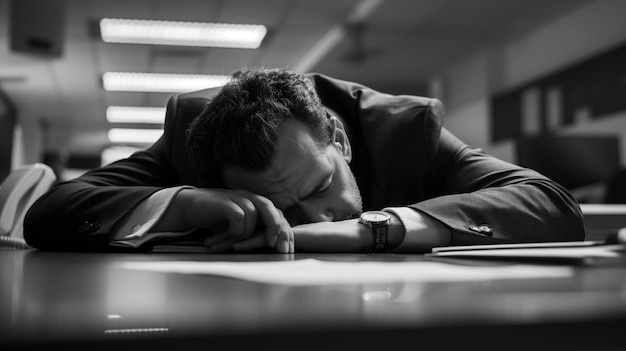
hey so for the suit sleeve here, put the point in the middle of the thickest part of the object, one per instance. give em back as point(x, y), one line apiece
point(483, 199)
point(81, 214)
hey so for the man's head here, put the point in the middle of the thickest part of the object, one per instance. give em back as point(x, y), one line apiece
point(267, 132)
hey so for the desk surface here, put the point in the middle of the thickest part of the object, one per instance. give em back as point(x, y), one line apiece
point(86, 300)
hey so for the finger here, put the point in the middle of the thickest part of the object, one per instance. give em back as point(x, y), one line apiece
point(252, 243)
point(249, 220)
point(282, 245)
point(285, 241)
point(241, 215)
point(271, 217)
point(288, 232)
point(226, 219)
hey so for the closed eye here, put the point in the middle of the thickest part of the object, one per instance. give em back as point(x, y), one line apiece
point(320, 190)
point(326, 186)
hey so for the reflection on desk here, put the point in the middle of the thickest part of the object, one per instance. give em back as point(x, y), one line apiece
point(86, 300)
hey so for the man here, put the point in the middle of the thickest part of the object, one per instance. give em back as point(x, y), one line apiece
point(288, 162)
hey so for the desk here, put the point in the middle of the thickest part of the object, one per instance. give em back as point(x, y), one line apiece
point(82, 301)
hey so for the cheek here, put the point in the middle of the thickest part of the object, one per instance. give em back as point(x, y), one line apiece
point(347, 189)
point(280, 202)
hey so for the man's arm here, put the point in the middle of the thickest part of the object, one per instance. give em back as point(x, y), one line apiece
point(232, 215)
point(80, 214)
point(482, 199)
point(106, 205)
point(350, 236)
point(474, 199)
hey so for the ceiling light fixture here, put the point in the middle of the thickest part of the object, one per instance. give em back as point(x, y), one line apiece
point(130, 31)
point(135, 114)
point(134, 136)
point(160, 82)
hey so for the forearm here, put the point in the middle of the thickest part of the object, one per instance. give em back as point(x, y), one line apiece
point(341, 236)
point(79, 216)
point(516, 213)
point(162, 215)
point(485, 200)
point(409, 232)
point(532, 211)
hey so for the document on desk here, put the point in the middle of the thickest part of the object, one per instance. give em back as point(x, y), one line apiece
point(572, 252)
point(311, 271)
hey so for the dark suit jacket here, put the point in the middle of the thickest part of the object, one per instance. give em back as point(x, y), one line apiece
point(402, 156)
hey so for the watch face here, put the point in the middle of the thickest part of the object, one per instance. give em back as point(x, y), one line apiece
point(375, 216)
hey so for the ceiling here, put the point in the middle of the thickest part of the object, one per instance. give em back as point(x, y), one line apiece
point(393, 46)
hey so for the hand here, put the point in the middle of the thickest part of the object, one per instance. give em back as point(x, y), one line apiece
point(285, 244)
point(234, 215)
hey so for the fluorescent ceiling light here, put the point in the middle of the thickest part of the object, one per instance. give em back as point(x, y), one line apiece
point(134, 136)
point(161, 82)
point(135, 114)
point(129, 31)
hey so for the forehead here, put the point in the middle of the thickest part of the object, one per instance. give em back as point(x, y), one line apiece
point(299, 157)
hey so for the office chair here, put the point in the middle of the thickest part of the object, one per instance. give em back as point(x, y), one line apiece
point(18, 192)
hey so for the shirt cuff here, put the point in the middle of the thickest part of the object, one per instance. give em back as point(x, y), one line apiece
point(134, 230)
point(415, 237)
point(408, 217)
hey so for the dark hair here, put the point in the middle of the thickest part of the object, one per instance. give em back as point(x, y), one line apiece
point(240, 125)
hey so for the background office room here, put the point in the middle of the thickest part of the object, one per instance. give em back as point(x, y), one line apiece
point(541, 84)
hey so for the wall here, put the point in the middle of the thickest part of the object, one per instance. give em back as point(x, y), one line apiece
point(466, 87)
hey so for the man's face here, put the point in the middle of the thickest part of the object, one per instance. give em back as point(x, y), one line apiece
point(307, 181)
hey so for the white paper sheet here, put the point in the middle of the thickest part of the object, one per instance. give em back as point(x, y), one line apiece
point(316, 272)
point(574, 252)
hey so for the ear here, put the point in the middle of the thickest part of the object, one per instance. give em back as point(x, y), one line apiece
point(340, 138)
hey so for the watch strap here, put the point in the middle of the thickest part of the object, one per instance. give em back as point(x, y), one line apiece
point(379, 230)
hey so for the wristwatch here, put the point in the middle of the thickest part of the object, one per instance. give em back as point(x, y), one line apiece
point(379, 222)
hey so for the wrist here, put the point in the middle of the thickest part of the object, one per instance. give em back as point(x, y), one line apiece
point(177, 217)
point(386, 230)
